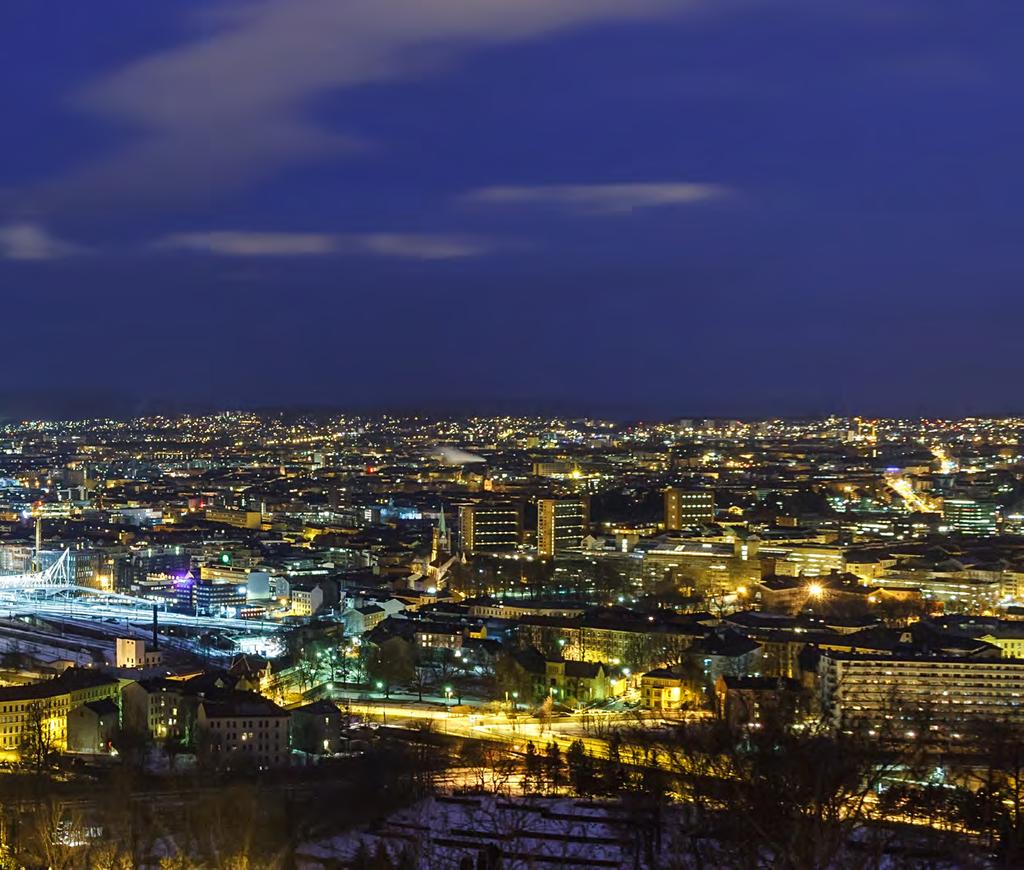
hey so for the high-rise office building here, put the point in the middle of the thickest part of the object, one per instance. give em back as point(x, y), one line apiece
point(562, 523)
point(491, 528)
point(685, 508)
point(973, 516)
point(139, 566)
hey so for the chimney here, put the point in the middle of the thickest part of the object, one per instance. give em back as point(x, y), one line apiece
point(156, 642)
point(37, 562)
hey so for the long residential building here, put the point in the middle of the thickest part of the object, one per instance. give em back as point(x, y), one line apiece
point(637, 643)
point(44, 707)
point(897, 695)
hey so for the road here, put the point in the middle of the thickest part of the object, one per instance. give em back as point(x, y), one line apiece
point(515, 733)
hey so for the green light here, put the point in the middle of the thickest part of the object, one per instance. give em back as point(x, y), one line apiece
point(225, 558)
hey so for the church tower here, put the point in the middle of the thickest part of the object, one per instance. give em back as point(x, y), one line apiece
point(441, 544)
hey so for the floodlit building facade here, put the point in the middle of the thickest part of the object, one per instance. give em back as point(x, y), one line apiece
point(45, 706)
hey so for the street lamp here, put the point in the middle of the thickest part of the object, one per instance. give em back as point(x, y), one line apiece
point(383, 706)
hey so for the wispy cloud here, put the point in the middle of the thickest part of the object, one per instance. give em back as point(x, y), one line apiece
point(31, 241)
point(601, 198)
point(231, 243)
point(235, 104)
point(418, 246)
point(415, 246)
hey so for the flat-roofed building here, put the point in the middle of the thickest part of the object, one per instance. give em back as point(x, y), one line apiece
point(130, 652)
point(804, 560)
point(687, 508)
point(562, 524)
point(957, 592)
point(491, 528)
point(231, 517)
point(972, 516)
point(895, 695)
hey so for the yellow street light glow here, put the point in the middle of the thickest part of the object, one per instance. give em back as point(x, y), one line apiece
point(815, 590)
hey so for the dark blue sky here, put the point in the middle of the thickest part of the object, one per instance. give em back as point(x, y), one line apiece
point(652, 207)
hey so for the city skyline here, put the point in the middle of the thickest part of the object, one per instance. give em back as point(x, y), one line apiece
point(655, 210)
point(353, 620)
point(511, 433)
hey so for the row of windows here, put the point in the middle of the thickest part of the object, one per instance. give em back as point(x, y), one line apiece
point(251, 723)
point(251, 737)
point(1002, 681)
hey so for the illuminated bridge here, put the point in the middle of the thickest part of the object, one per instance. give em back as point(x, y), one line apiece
point(57, 577)
point(53, 592)
point(56, 582)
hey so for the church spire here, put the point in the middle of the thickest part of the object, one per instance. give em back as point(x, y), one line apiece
point(442, 542)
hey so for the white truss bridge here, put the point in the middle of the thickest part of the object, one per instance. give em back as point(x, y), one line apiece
point(57, 576)
point(54, 593)
point(55, 582)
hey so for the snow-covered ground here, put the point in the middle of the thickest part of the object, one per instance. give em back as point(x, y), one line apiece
point(528, 832)
point(533, 832)
point(45, 645)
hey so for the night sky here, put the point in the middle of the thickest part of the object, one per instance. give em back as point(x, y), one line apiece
point(635, 207)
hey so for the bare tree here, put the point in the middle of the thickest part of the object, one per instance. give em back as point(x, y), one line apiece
point(774, 796)
point(52, 838)
point(996, 805)
point(37, 745)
